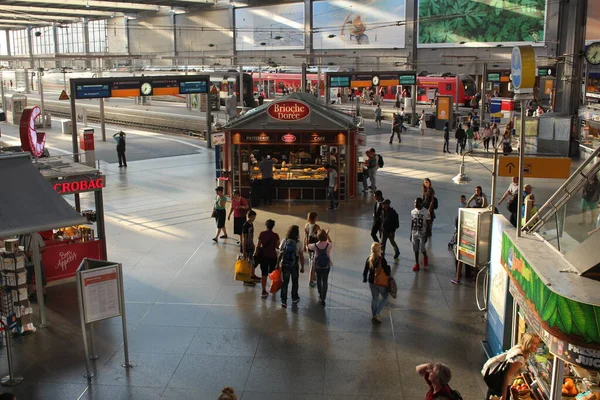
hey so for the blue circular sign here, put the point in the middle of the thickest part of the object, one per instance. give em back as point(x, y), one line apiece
point(516, 67)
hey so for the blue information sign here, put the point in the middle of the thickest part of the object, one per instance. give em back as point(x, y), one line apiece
point(187, 87)
point(92, 91)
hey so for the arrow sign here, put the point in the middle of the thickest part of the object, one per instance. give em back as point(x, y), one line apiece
point(536, 167)
point(63, 96)
point(510, 166)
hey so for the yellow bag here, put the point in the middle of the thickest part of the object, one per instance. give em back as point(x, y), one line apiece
point(242, 270)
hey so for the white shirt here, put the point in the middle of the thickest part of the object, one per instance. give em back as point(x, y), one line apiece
point(333, 178)
point(513, 188)
point(419, 221)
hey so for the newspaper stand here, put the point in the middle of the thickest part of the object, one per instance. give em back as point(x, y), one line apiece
point(101, 296)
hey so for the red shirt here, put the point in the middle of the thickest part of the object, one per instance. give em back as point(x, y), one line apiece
point(237, 211)
point(445, 391)
point(268, 240)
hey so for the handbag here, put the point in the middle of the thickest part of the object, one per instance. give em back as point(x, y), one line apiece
point(392, 287)
point(494, 372)
point(381, 278)
point(214, 213)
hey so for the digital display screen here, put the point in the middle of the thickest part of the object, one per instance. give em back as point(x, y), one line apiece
point(193, 87)
point(407, 80)
point(92, 91)
point(493, 77)
point(339, 81)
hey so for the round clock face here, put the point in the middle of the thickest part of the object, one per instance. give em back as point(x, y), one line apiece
point(375, 80)
point(146, 88)
point(592, 53)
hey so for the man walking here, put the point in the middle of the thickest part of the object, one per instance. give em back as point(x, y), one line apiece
point(332, 175)
point(396, 128)
point(266, 170)
point(418, 231)
point(390, 223)
point(446, 138)
point(378, 116)
point(377, 215)
point(460, 137)
point(372, 166)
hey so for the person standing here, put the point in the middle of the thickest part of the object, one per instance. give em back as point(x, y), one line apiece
point(291, 257)
point(239, 208)
point(378, 116)
point(487, 136)
point(437, 376)
point(402, 117)
point(120, 138)
point(266, 254)
point(446, 138)
point(396, 128)
point(418, 232)
point(397, 102)
point(478, 198)
point(429, 202)
point(247, 245)
point(266, 170)
point(495, 135)
point(377, 215)
point(322, 262)
point(219, 213)
point(332, 176)
point(422, 124)
point(512, 200)
point(311, 230)
point(470, 134)
point(460, 137)
point(365, 175)
point(377, 273)
point(372, 166)
point(590, 195)
point(390, 223)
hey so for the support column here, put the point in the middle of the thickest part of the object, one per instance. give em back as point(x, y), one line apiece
point(414, 53)
point(8, 49)
point(571, 35)
point(127, 36)
point(86, 42)
point(174, 24)
point(483, 95)
point(30, 48)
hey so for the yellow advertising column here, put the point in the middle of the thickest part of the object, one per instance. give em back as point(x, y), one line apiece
point(444, 112)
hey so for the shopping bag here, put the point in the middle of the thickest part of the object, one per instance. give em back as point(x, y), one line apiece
point(276, 280)
point(242, 270)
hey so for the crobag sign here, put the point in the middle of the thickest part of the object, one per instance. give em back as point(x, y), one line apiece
point(288, 110)
point(79, 185)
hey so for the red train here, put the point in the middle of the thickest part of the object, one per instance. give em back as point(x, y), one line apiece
point(275, 84)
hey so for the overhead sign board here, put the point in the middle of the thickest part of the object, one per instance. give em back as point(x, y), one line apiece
point(96, 88)
point(407, 79)
point(546, 71)
point(493, 77)
point(536, 167)
point(339, 81)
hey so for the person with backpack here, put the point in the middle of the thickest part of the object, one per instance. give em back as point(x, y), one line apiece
point(418, 232)
point(291, 263)
point(460, 137)
point(377, 272)
point(396, 128)
point(311, 229)
point(322, 262)
point(437, 376)
point(377, 215)
point(430, 202)
point(266, 254)
point(590, 195)
point(373, 164)
point(499, 371)
point(390, 223)
point(446, 138)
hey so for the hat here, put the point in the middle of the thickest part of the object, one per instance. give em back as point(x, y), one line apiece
point(386, 201)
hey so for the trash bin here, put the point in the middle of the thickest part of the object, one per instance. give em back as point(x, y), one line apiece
point(66, 126)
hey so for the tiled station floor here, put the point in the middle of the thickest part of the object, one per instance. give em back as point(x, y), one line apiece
point(193, 329)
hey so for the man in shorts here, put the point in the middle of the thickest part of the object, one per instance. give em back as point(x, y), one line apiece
point(418, 231)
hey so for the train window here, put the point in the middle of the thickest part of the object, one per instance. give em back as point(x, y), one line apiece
point(448, 86)
point(421, 91)
point(394, 90)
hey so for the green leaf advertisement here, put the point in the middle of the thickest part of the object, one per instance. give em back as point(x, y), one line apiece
point(481, 21)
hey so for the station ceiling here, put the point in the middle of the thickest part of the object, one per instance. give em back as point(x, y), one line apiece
point(17, 14)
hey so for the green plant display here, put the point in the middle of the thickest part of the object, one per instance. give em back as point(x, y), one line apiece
point(481, 21)
point(565, 315)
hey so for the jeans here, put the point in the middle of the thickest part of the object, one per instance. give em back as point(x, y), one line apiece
point(460, 144)
point(266, 187)
point(364, 180)
point(469, 144)
point(446, 145)
point(121, 157)
point(375, 231)
point(396, 131)
point(372, 177)
point(332, 194)
point(294, 273)
point(486, 144)
point(392, 238)
point(376, 304)
point(322, 277)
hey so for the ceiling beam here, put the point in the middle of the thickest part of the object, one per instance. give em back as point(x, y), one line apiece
point(91, 4)
point(56, 11)
point(24, 23)
point(9, 27)
point(36, 18)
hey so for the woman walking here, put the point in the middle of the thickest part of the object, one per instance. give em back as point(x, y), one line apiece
point(428, 196)
point(322, 262)
point(377, 272)
point(239, 208)
point(311, 229)
point(291, 262)
point(495, 135)
point(266, 254)
point(487, 136)
point(422, 124)
point(219, 213)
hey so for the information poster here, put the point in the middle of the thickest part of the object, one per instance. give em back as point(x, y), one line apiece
point(101, 295)
point(467, 237)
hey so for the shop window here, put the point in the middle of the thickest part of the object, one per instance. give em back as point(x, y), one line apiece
point(448, 87)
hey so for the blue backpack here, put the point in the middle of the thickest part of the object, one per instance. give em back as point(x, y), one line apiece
point(288, 258)
point(322, 259)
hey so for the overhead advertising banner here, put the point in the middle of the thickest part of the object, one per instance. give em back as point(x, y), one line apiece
point(447, 23)
point(351, 24)
point(279, 27)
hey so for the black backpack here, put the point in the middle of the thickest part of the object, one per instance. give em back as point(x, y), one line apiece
point(322, 259)
point(379, 160)
point(455, 394)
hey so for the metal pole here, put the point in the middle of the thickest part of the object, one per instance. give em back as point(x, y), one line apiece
point(208, 120)
point(102, 122)
point(64, 71)
point(413, 96)
point(494, 178)
point(2, 101)
point(93, 355)
point(77, 202)
point(39, 285)
point(483, 95)
point(10, 379)
point(41, 87)
point(319, 84)
point(99, 200)
point(74, 125)
point(456, 94)
point(303, 82)
point(558, 372)
point(521, 165)
point(128, 363)
point(88, 370)
point(241, 88)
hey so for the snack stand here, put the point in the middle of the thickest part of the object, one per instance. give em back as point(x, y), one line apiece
point(553, 299)
point(65, 248)
point(303, 136)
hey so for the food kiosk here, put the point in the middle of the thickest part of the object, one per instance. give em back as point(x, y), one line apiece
point(303, 136)
point(562, 305)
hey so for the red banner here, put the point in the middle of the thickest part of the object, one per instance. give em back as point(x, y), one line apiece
point(62, 260)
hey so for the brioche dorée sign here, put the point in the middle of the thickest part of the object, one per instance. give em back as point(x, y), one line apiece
point(288, 110)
